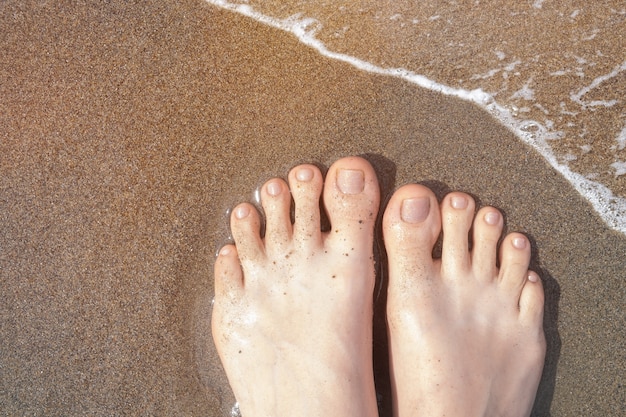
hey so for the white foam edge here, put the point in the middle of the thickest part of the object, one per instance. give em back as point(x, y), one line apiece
point(577, 98)
point(611, 208)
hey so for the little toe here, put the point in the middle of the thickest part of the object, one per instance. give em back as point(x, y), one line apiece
point(532, 300)
point(245, 226)
point(411, 226)
point(487, 231)
point(227, 272)
point(276, 201)
point(457, 213)
point(514, 261)
point(306, 184)
point(351, 199)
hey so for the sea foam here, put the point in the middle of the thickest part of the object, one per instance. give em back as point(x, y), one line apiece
point(611, 208)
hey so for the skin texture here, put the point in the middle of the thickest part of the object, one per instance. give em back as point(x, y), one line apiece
point(292, 318)
point(466, 337)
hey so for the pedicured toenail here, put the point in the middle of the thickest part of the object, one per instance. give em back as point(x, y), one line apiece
point(304, 174)
point(533, 278)
point(458, 202)
point(242, 212)
point(492, 218)
point(415, 210)
point(274, 188)
point(350, 181)
point(519, 243)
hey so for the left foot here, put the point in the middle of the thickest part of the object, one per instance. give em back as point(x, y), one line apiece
point(465, 334)
point(292, 318)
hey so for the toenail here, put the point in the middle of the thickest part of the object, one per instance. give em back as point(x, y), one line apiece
point(304, 174)
point(492, 218)
point(415, 210)
point(350, 181)
point(459, 202)
point(519, 243)
point(225, 251)
point(242, 212)
point(274, 188)
point(533, 278)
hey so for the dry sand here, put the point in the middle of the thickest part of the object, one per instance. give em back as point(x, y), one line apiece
point(128, 131)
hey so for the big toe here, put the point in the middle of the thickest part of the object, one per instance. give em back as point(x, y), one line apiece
point(411, 226)
point(351, 199)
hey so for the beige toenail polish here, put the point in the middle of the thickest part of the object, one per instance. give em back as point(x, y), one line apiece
point(415, 210)
point(274, 188)
point(350, 181)
point(458, 202)
point(242, 212)
point(492, 218)
point(519, 243)
point(304, 174)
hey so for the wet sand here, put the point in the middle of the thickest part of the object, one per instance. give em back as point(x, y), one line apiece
point(127, 132)
point(557, 66)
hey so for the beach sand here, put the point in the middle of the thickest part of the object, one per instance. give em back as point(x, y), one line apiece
point(129, 131)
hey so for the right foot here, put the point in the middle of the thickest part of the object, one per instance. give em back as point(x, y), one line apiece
point(292, 319)
point(466, 337)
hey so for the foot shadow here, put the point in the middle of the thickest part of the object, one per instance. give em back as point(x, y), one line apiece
point(552, 291)
point(386, 172)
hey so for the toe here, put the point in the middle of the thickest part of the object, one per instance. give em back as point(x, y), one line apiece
point(514, 261)
point(306, 184)
point(276, 202)
point(457, 212)
point(531, 301)
point(411, 226)
point(229, 287)
point(245, 226)
point(351, 199)
point(487, 231)
point(228, 273)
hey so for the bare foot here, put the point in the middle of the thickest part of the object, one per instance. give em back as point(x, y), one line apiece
point(292, 318)
point(466, 337)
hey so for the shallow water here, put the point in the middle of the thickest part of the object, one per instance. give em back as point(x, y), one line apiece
point(554, 73)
